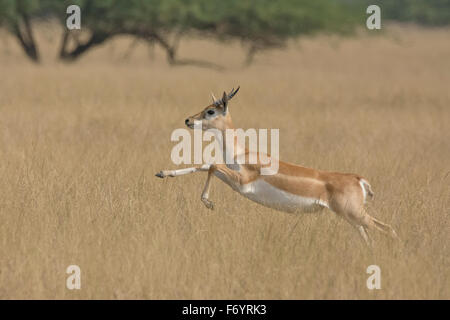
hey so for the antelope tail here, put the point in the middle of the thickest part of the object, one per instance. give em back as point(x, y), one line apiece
point(367, 190)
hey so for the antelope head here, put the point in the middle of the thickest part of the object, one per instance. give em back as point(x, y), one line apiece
point(216, 115)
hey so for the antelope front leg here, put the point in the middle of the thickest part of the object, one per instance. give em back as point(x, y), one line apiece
point(205, 193)
point(230, 174)
point(180, 172)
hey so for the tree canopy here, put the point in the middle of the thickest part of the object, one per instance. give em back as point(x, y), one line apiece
point(258, 24)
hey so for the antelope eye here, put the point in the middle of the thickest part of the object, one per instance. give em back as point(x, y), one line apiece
point(211, 112)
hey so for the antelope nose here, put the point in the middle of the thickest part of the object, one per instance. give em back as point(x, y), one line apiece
point(186, 121)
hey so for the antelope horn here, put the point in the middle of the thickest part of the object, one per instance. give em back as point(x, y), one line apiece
point(213, 98)
point(233, 92)
point(219, 102)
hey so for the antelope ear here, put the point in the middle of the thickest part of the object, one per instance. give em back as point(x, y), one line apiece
point(225, 102)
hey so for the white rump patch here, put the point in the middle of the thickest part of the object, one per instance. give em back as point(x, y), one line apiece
point(363, 190)
point(364, 184)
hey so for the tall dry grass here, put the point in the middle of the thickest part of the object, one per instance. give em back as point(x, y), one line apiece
point(80, 144)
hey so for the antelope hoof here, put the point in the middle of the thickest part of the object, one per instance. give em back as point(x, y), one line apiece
point(208, 204)
point(160, 175)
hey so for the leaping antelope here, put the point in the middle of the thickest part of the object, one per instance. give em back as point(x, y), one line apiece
point(292, 189)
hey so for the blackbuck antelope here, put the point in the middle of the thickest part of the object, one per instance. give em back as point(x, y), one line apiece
point(292, 189)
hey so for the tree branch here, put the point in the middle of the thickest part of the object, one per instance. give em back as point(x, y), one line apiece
point(171, 51)
point(81, 48)
point(26, 38)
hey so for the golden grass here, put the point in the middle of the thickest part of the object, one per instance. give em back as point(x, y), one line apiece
point(80, 144)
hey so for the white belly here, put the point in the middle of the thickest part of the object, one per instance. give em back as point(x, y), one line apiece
point(264, 193)
point(270, 196)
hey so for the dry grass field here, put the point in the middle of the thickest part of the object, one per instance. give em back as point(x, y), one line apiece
point(80, 144)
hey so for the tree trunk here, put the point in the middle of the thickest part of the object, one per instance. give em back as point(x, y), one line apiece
point(81, 48)
point(171, 51)
point(250, 55)
point(26, 39)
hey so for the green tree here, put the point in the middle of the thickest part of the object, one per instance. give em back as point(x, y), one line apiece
point(423, 12)
point(258, 24)
point(266, 24)
point(16, 16)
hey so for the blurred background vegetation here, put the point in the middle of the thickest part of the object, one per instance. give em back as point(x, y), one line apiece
point(258, 25)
